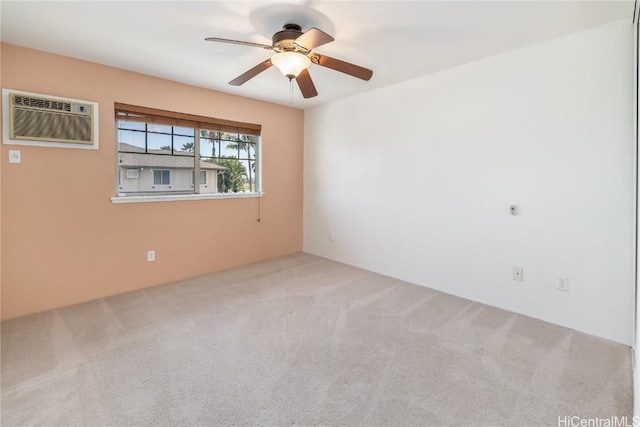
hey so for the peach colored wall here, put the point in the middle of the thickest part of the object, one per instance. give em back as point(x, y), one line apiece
point(64, 241)
point(1, 163)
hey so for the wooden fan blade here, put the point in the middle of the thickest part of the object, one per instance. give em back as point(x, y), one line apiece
point(306, 85)
point(342, 66)
point(217, 39)
point(313, 38)
point(243, 78)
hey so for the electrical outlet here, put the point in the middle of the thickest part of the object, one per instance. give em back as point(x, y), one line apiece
point(518, 274)
point(332, 236)
point(14, 156)
point(151, 256)
point(563, 283)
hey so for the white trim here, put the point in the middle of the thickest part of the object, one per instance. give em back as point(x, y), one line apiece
point(636, 250)
point(259, 166)
point(178, 197)
point(5, 125)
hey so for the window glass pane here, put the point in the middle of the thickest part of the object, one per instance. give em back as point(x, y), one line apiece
point(151, 127)
point(247, 151)
point(159, 144)
point(210, 134)
point(249, 177)
point(183, 131)
point(183, 145)
point(203, 177)
point(242, 144)
point(124, 124)
point(155, 174)
point(208, 147)
point(229, 149)
point(161, 177)
point(232, 179)
point(130, 140)
point(251, 151)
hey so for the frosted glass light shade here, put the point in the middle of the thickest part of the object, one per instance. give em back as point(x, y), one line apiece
point(290, 63)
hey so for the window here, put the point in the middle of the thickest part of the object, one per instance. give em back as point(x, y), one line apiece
point(237, 154)
point(161, 177)
point(203, 178)
point(169, 149)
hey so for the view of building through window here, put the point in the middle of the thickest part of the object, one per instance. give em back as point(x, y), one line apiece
point(162, 159)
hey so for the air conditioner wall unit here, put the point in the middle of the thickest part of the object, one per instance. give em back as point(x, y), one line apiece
point(37, 119)
point(43, 119)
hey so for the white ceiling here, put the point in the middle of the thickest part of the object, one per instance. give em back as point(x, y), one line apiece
point(399, 40)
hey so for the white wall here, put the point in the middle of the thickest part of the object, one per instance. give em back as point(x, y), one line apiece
point(415, 180)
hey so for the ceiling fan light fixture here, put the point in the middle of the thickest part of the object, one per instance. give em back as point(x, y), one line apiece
point(290, 63)
point(293, 54)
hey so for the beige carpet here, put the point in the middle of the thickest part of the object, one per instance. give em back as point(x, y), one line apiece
point(302, 341)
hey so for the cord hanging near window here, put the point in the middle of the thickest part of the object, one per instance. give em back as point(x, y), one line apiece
point(259, 214)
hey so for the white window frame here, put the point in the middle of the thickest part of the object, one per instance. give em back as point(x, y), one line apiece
point(162, 171)
point(202, 174)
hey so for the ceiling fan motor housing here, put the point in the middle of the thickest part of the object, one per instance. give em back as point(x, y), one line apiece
point(284, 39)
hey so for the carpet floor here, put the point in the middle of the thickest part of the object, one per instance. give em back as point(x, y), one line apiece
point(302, 340)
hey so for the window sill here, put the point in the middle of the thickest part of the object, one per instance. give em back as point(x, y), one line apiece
point(178, 197)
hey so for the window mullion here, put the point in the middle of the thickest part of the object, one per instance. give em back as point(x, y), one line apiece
point(196, 161)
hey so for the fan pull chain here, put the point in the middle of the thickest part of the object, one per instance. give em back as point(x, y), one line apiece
point(290, 90)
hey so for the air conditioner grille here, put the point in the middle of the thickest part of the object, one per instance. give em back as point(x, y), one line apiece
point(61, 127)
point(48, 104)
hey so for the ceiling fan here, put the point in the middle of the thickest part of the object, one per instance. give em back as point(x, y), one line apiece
point(293, 56)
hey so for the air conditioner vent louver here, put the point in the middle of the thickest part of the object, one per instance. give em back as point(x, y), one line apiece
point(50, 120)
point(48, 104)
